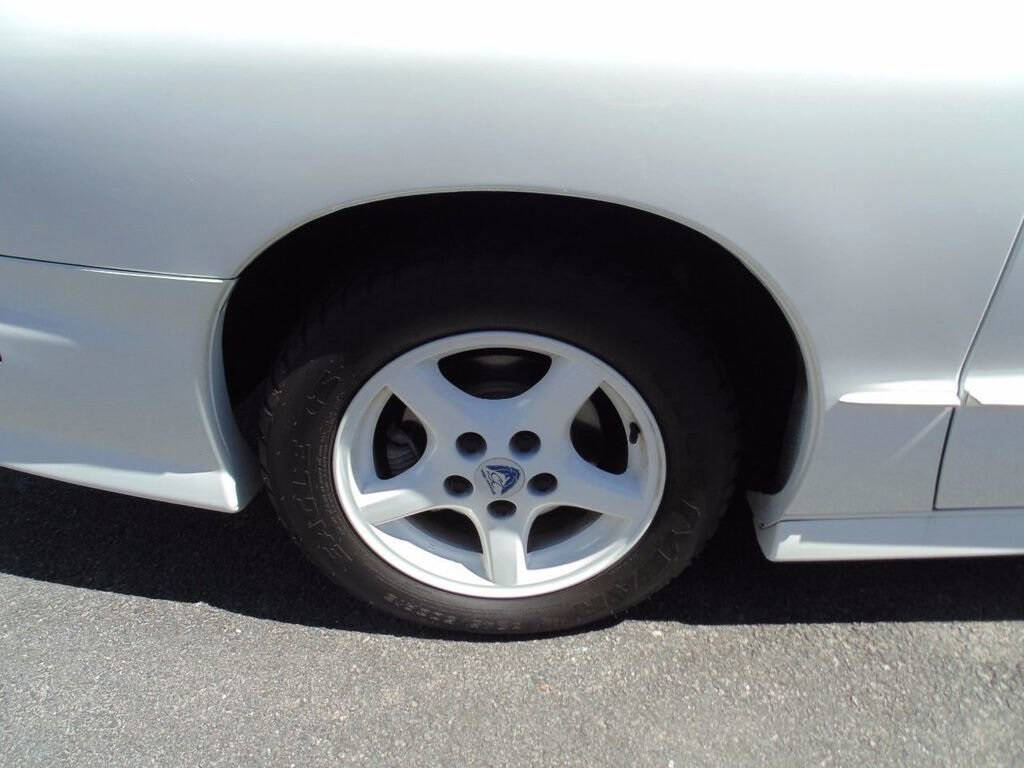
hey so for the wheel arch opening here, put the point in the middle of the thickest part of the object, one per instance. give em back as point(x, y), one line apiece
point(754, 340)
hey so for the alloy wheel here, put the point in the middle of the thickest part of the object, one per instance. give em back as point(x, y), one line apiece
point(499, 464)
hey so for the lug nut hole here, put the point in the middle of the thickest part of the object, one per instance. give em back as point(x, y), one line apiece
point(471, 444)
point(457, 485)
point(545, 482)
point(501, 508)
point(524, 443)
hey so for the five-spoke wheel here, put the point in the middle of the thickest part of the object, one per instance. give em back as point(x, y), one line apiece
point(494, 443)
point(496, 448)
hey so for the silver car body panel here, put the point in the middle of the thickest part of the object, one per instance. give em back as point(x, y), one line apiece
point(870, 175)
point(950, 533)
point(983, 465)
point(113, 380)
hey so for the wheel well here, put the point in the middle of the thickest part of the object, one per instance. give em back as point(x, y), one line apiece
point(755, 342)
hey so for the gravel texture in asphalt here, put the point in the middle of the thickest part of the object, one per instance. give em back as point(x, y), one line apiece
point(139, 633)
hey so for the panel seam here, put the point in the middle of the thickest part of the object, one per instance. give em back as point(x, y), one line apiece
point(942, 459)
point(121, 270)
point(961, 373)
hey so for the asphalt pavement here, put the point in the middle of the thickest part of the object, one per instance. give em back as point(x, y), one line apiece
point(138, 633)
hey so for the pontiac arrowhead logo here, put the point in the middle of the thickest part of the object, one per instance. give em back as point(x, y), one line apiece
point(500, 477)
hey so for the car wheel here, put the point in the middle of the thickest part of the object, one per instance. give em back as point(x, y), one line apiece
point(518, 457)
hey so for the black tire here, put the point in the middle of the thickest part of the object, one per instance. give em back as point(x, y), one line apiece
point(639, 328)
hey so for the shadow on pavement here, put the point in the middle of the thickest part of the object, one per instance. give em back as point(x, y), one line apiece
point(245, 563)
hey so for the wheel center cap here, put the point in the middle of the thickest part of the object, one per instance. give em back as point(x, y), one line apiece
point(502, 476)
